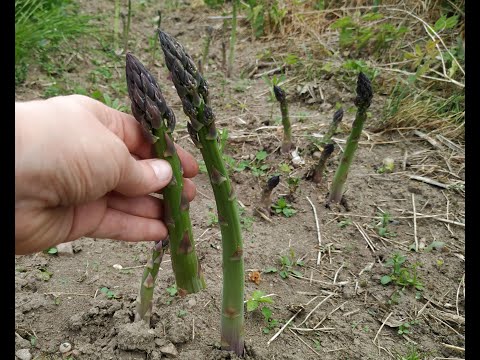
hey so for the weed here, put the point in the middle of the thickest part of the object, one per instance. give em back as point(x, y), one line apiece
point(51, 251)
point(258, 297)
point(42, 26)
point(110, 294)
point(270, 322)
point(172, 290)
point(405, 327)
point(107, 100)
point(182, 313)
point(212, 218)
point(265, 16)
point(288, 265)
point(282, 207)
point(412, 354)
point(382, 226)
point(245, 221)
point(344, 223)
point(400, 275)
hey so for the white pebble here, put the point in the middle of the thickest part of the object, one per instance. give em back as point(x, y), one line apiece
point(118, 267)
point(65, 347)
point(23, 354)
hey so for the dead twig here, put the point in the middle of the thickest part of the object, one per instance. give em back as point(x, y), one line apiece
point(319, 235)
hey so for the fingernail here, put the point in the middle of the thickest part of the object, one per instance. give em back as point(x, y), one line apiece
point(162, 169)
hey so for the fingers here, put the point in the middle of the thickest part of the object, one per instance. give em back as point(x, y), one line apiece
point(189, 189)
point(189, 164)
point(123, 125)
point(121, 226)
point(144, 206)
point(143, 177)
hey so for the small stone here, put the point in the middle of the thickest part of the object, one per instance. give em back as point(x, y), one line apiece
point(191, 303)
point(65, 347)
point(23, 354)
point(65, 249)
point(169, 351)
point(118, 267)
point(317, 155)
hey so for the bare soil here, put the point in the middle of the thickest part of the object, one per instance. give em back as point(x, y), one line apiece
point(68, 306)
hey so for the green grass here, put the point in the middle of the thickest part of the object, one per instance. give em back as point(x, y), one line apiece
point(41, 26)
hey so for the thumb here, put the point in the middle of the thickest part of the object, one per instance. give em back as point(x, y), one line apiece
point(142, 177)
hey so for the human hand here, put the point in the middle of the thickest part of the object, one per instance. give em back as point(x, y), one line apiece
point(84, 169)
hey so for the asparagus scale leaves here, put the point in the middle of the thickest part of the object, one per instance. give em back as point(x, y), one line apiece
point(287, 129)
point(158, 120)
point(362, 102)
point(193, 92)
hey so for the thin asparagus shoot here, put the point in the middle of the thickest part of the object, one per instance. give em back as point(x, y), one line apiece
point(266, 200)
point(150, 109)
point(362, 102)
point(193, 92)
point(233, 38)
point(287, 129)
point(337, 118)
point(150, 272)
point(206, 46)
point(322, 162)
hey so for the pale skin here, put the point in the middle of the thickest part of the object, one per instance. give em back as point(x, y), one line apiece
point(84, 169)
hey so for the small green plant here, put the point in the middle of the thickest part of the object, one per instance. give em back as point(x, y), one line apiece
point(258, 297)
point(212, 219)
point(51, 250)
point(182, 313)
point(382, 226)
point(282, 207)
point(402, 276)
point(288, 265)
point(110, 294)
point(270, 322)
point(405, 327)
point(245, 221)
point(172, 290)
point(412, 354)
point(344, 223)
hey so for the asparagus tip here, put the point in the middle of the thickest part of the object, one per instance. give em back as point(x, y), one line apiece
point(273, 182)
point(328, 149)
point(364, 91)
point(279, 93)
point(338, 116)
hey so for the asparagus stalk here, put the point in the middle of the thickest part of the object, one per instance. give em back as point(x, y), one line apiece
point(145, 297)
point(322, 162)
point(287, 129)
point(337, 118)
point(266, 200)
point(150, 109)
point(362, 102)
point(193, 91)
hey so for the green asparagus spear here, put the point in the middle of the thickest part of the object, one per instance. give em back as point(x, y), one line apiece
point(362, 102)
point(337, 118)
point(193, 91)
point(287, 129)
point(322, 162)
point(206, 46)
point(233, 37)
point(150, 109)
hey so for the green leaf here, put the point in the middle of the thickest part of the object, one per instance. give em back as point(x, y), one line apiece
point(296, 273)
point(266, 299)
point(261, 155)
point(267, 313)
point(270, 269)
point(437, 245)
point(283, 274)
point(385, 280)
point(172, 290)
point(181, 313)
point(266, 330)
point(257, 294)
point(52, 251)
point(252, 305)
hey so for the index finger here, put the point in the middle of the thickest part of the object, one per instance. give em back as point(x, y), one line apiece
point(133, 135)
